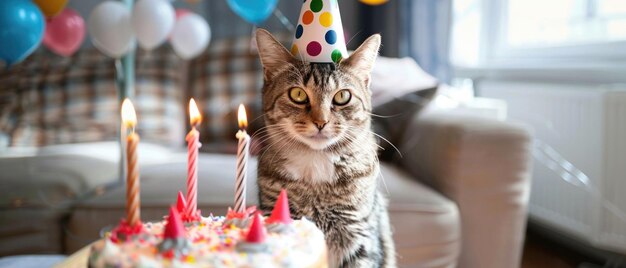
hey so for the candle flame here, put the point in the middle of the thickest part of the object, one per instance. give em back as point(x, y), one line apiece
point(194, 114)
point(129, 117)
point(241, 115)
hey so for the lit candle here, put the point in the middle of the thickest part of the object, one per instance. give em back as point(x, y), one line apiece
point(193, 144)
point(242, 161)
point(129, 119)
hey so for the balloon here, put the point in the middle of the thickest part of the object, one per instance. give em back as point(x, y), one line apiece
point(253, 11)
point(374, 2)
point(181, 12)
point(65, 33)
point(110, 28)
point(190, 36)
point(153, 21)
point(21, 29)
point(51, 8)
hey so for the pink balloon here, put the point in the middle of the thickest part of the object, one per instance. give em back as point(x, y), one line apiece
point(181, 12)
point(65, 32)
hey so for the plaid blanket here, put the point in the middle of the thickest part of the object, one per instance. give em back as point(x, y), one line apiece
point(49, 99)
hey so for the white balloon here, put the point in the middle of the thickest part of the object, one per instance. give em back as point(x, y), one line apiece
point(153, 21)
point(110, 28)
point(190, 36)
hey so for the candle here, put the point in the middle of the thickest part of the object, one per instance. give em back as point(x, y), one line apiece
point(242, 161)
point(129, 119)
point(193, 144)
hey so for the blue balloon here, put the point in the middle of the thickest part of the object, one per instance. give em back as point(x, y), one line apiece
point(21, 29)
point(253, 11)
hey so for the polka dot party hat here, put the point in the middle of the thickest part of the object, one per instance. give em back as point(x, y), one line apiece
point(319, 35)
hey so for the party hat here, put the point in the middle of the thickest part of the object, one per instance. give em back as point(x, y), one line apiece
point(174, 227)
point(257, 232)
point(319, 35)
point(181, 204)
point(281, 214)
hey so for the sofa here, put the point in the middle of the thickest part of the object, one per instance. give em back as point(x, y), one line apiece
point(458, 185)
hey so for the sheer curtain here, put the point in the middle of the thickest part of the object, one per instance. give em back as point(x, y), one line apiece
point(425, 34)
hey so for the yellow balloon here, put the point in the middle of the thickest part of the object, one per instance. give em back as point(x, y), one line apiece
point(374, 2)
point(51, 8)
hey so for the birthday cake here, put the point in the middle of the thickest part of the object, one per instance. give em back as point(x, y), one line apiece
point(237, 240)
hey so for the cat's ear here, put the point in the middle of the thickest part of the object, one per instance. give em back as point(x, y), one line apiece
point(273, 54)
point(362, 59)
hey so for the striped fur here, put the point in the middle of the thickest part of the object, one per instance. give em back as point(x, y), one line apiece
point(331, 180)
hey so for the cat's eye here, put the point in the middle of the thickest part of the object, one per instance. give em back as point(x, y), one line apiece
point(298, 95)
point(342, 97)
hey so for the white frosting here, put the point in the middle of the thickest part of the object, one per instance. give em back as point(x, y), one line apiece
point(213, 246)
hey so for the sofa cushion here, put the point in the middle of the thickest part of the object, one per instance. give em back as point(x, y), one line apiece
point(425, 224)
point(55, 176)
point(49, 99)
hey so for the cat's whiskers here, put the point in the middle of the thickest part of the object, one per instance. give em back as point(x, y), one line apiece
point(383, 116)
point(256, 118)
point(261, 133)
point(263, 130)
point(287, 143)
point(355, 135)
point(353, 36)
point(279, 132)
point(264, 134)
point(386, 140)
point(259, 141)
point(267, 137)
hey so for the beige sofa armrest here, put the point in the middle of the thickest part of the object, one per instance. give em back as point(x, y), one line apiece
point(484, 166)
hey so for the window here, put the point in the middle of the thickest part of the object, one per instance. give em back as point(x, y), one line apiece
point(540, 23)
point(526, 33)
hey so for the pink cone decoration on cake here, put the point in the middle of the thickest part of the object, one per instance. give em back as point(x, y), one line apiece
point(181, 205)
point(257, 232)
point(174, 227)
point(174, 244)
point(281, 213)
point(319, 34)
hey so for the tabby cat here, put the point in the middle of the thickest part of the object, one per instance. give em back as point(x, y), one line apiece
point(321, 149)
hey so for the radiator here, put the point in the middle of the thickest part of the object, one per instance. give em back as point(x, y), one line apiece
point(579, 177)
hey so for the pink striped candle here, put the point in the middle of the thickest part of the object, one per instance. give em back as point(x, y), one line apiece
point(242, 161)
point(193, 143)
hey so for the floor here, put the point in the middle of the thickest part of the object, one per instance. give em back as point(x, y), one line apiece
point(538, 254)
point(540, 251)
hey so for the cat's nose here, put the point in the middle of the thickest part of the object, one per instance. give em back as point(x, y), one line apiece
point(320, 125)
